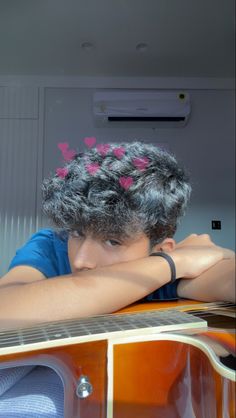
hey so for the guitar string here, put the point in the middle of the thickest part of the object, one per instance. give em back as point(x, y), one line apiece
point(117, 323)
point(105, 318)
point(185, 308)
point(114, 318)
point(36, 339)
point(77, 327)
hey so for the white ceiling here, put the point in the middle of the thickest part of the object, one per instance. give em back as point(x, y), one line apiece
point(186, 38)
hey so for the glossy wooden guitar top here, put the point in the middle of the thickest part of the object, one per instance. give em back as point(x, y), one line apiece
point(166, 373)
point(174, 376)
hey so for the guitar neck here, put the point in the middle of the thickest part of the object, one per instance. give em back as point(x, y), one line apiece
point(161, 319)
point(96, 328)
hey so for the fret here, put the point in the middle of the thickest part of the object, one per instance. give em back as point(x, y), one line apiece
point(65, 330)
point(20, 337)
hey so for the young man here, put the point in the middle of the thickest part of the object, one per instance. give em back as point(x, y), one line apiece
point(113, 207)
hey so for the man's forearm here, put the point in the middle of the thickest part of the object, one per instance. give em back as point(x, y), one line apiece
point(91, 292)
point(215, 284)
point(107, 289)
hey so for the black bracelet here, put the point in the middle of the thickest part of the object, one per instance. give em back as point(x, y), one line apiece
point(171, 264)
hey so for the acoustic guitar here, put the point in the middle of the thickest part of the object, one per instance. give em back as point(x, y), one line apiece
point(150, 360)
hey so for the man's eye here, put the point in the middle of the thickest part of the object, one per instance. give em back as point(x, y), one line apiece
point(112, 242)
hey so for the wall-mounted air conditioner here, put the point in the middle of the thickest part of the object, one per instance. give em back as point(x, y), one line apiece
point(154, 108)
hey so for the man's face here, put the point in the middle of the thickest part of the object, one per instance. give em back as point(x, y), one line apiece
point(87, 252)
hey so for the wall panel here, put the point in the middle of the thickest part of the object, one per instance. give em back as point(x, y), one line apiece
point(18, 177)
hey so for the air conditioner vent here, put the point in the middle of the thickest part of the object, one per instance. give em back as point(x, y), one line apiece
point(145, 118)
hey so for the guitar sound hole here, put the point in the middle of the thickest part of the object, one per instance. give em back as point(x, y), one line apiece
point(216, 320)
point(229, 361)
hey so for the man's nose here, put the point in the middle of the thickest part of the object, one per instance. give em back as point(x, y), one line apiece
point(86, 256)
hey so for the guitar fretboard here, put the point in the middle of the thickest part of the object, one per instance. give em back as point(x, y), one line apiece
point(96, 327)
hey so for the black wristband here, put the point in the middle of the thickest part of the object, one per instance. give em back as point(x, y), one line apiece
point(171, 264)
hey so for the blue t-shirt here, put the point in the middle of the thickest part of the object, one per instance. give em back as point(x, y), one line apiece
point(47, 252)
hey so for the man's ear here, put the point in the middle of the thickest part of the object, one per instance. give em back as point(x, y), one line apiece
point(167, 245)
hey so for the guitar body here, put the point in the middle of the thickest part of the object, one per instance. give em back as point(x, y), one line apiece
point(70, 362)
point(169, 379)
point(174, 375)
point(170, 374)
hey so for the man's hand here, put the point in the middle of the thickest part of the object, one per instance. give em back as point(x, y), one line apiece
point(215, 266)
point(203, 240)
point(198, 253)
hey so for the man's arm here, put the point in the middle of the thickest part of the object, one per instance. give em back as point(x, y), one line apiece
point(215, 284)
point(99, 291)
point(90, 292)
point(21, 275)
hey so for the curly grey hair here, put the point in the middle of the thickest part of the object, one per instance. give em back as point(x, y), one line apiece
point(98, 204)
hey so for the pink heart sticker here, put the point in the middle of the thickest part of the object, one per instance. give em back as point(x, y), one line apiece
point(90, 141)
point(141, 163)
point(63, 146)
point(92, 168)
point(126, 182)
point(103, 149)
point(69, 154)
point(62, 172)
point(119, 152)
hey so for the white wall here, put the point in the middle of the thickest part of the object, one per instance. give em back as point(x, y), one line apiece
point(18, 168)
point(205, 146)
point(58, 114)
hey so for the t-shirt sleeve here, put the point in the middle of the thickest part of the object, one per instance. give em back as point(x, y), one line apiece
point(39, 253)
point(166, 292)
